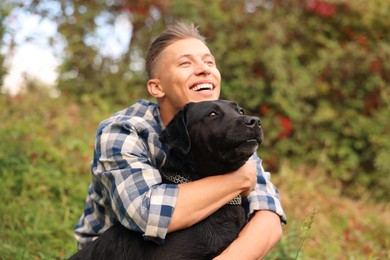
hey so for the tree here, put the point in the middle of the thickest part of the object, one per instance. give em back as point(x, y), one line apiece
point(4, 12)
point(316, 71)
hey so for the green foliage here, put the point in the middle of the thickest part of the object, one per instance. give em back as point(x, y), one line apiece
point(323, 225)
point(45, 148)
point(89, 75)
point(86, 73)
point(4, 12)
point(316, 72)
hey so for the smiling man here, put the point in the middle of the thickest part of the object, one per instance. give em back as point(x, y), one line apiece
point(126, 184)
point(185, 72)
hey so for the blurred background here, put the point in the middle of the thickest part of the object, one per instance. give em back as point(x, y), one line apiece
point(316, 71)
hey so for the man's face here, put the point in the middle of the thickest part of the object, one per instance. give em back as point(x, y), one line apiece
point(187, 72)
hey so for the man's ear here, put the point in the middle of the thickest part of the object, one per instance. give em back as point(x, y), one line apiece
point(175, 135)
point(155, 89)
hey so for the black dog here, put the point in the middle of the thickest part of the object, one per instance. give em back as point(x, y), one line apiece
point(204, 139)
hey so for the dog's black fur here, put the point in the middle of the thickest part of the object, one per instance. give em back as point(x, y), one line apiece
point(204, 139)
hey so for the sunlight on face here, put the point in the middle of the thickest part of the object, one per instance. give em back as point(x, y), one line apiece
point(187, 72)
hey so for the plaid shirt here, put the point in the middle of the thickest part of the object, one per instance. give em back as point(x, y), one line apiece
point(126, 185)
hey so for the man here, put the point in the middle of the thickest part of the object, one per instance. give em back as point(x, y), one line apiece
point(126, 185)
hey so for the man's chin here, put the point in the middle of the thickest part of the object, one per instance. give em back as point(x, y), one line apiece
point(204, 95)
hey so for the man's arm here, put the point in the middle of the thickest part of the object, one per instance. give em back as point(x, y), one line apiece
point(199, 199)
point(264, 229)
point(257, 238)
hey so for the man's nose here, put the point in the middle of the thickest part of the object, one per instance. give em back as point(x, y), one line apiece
point(202, 68)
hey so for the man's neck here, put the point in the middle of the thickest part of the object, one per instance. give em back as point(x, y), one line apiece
point(166, 113)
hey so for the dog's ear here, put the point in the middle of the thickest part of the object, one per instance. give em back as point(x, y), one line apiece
point(175, 135)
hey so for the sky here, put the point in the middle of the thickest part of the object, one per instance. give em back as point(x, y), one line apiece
point(33, 56)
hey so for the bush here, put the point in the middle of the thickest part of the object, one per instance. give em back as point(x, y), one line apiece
point(45, 149)
point(317, 73)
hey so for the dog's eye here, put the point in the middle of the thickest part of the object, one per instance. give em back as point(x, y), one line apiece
point(212, 114)
point(241, 111)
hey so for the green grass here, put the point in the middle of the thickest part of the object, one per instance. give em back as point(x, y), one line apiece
point(329, 225)
point(45, 150)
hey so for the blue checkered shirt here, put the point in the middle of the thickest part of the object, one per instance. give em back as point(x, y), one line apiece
point(126, 185)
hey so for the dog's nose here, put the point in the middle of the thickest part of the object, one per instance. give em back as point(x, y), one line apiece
point(252, 121)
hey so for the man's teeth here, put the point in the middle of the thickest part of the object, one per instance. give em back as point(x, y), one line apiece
point(202, 87)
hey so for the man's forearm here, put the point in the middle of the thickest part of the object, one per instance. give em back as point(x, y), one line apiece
point(257, 238)
point(199, 199)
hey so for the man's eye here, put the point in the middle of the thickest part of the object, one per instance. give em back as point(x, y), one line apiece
point(184, 63)
point(212, 114)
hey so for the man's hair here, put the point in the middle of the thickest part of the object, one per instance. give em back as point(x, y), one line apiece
point(175, 32)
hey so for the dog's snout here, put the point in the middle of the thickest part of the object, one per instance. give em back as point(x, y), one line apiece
point(252, 121)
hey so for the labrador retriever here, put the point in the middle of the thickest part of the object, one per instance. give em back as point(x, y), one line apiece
point(203, 139)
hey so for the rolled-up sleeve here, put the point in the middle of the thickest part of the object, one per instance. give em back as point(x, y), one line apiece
point(265, 196)
point(126, 183)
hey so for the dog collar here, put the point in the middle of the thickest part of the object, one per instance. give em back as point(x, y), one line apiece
point(178, 178)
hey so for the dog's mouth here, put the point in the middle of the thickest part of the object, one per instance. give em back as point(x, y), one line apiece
point(240, 151)
point(202, 87)
point(248, 145)
point(258, 139)
point(252, 141)
point(251, 144)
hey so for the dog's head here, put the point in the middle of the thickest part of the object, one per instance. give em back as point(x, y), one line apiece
point(210, 138)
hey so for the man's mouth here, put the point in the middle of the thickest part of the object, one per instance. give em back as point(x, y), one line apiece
point(201, 87)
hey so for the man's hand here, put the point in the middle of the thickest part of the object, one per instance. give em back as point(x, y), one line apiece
point(248, 171)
